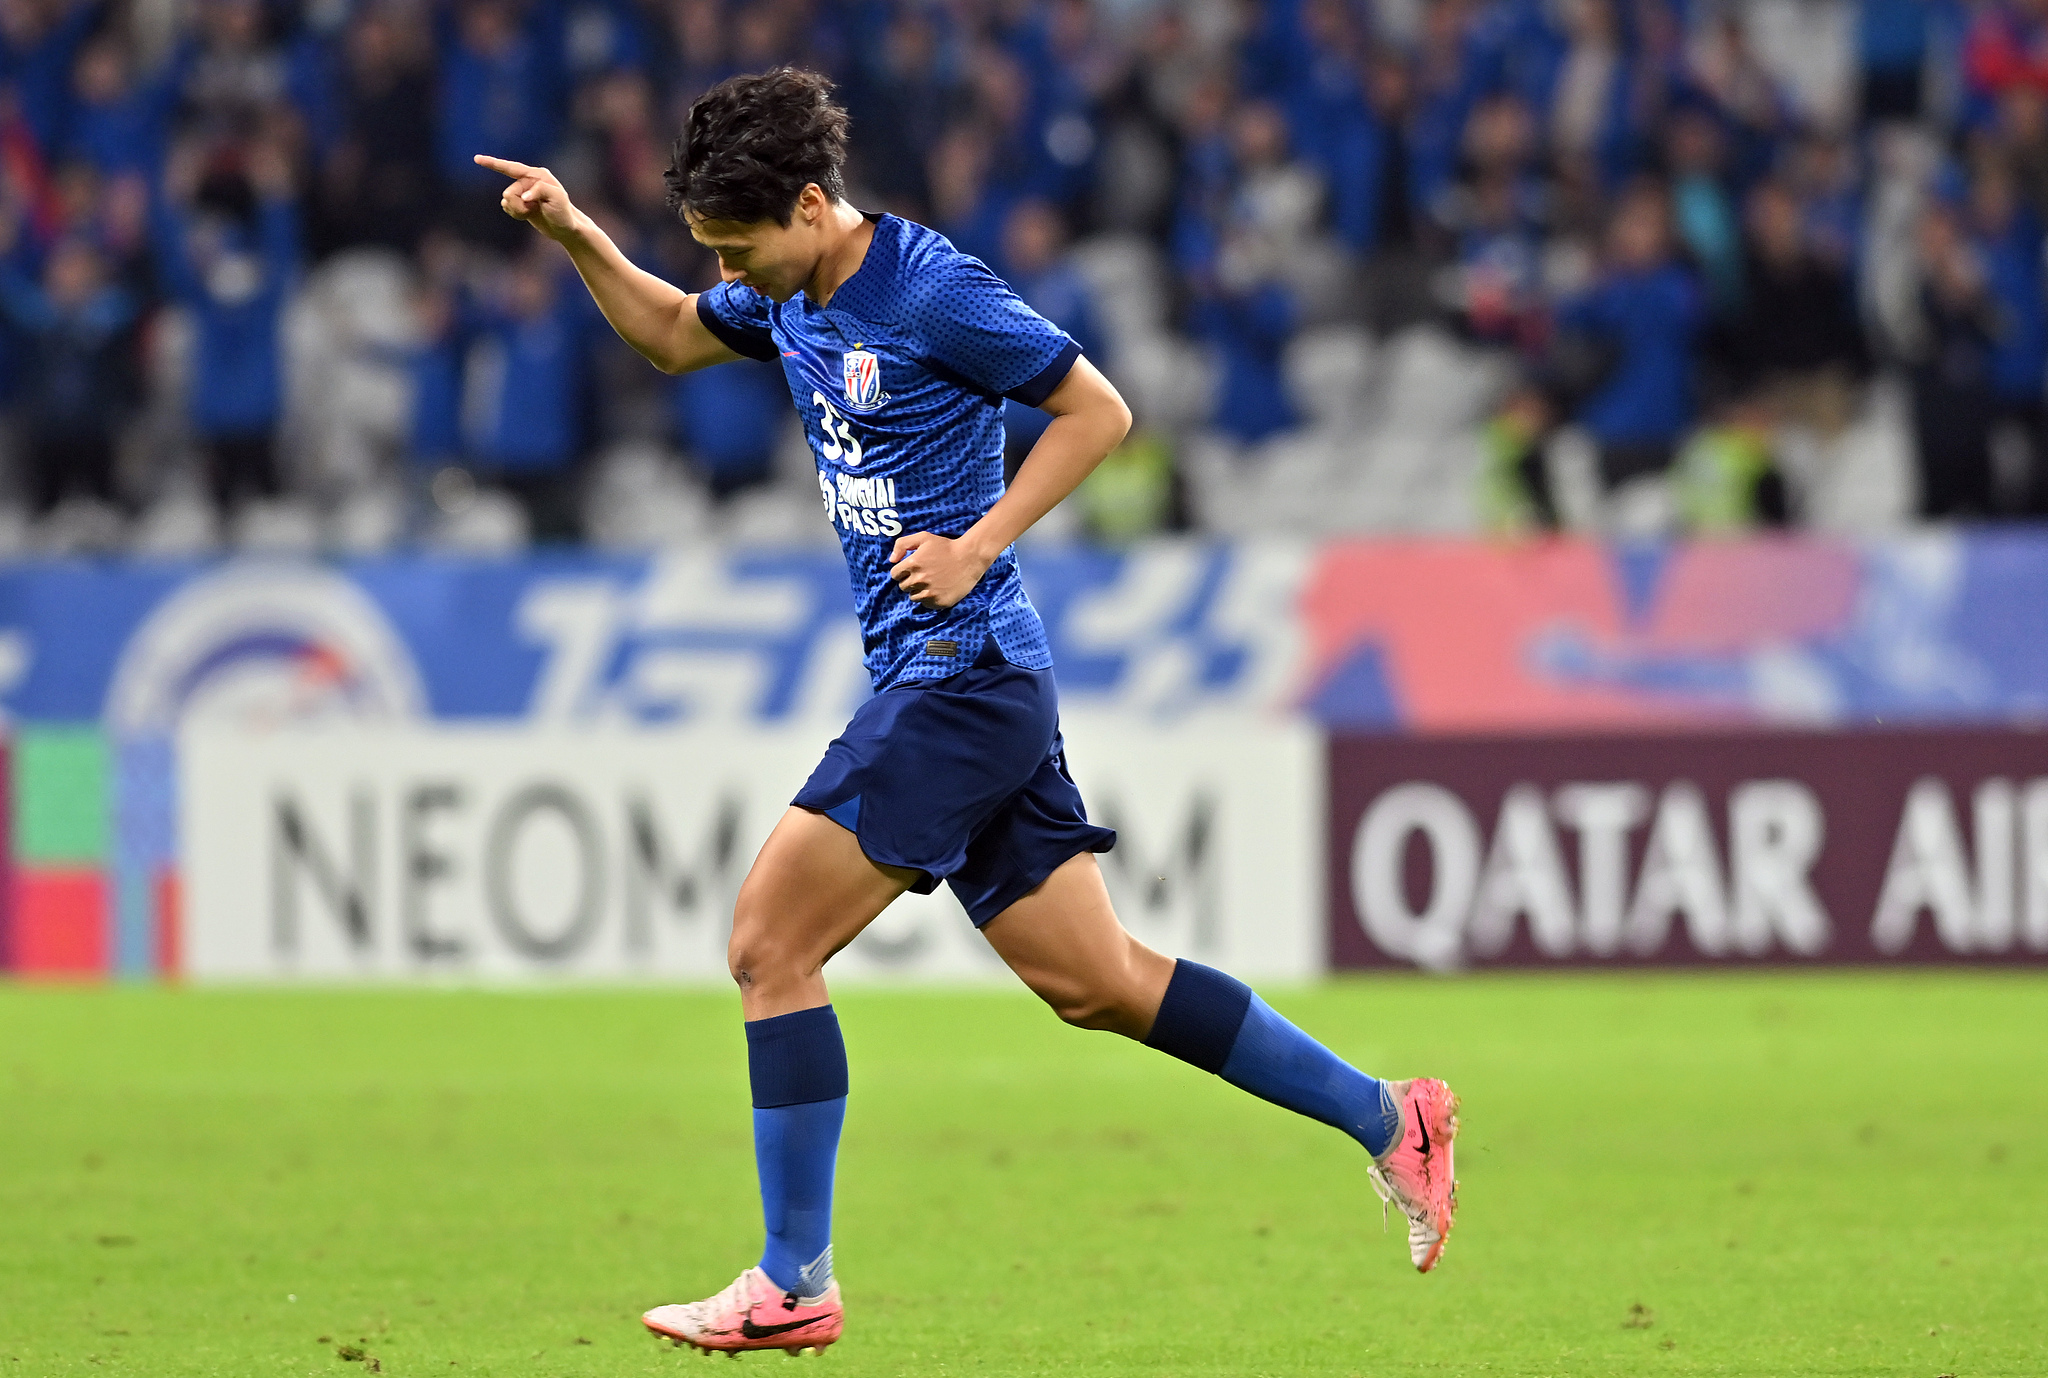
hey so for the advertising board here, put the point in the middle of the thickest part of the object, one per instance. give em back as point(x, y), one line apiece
point(1389, 635)
point(507, 854)
point(1683, 848)
point(106, 665)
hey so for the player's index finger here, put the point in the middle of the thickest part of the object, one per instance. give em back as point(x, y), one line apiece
point(505, 166)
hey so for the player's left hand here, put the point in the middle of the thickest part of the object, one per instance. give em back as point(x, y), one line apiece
point(935, 572)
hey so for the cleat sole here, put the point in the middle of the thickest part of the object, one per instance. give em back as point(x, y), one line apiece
point(677, 1341)
point(1447, 1129)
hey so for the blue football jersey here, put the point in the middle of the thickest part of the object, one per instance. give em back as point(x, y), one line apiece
point(900, 383)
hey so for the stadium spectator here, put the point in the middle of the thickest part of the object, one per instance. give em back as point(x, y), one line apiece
point(1823, 172)
point(2007, 241)
point(235, 76)
point(729, 420)
point(119, 226)
point(79, 382)
point(1246, 300)
point(1033, 243)
point(228, 250)
point(1726, 478)
point(120, 120)
point(1140, 114)
point(2023, 131)
point(1496, 216)
point(1321, 162)
point(1892, 39)
point(1202, 200)
point(902, 102)
point(523, 388)
point(1703, 203)
point(1646, 310)
point(1323, 92)
point(694, 50)
point(1591, 97)
point(1373, 208)
point(435, 365)
point(1249, 325)
point(502, 88)
point(377, 184)
point(630, 150)
point(1034, 250)
point(1730, 83)
point(39, 39)
point(1798, 339)
point(2005, 48)
point(1498, 297)
point(968, 205)
point(1275, 215)
point(601, 37)
point(1953, 395)
point(1134, 493)
point(763, 36)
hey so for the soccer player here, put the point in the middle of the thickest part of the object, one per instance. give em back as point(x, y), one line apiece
point(900, 351)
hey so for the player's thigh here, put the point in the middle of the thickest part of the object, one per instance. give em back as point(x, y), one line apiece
point(810, 892)
point(1064, 941)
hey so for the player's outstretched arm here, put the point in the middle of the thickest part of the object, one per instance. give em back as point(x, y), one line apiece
point(655, 317)
point(1089, 419)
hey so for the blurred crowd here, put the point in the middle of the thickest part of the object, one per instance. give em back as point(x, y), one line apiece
point(254, 289)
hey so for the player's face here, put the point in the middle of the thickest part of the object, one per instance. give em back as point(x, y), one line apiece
point(775, 260)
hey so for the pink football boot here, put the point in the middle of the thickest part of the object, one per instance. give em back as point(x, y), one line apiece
point(753, 1313)
point(1416, 1173)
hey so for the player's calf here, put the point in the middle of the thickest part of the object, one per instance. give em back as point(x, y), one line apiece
point(1215, 1022)
point(1095, 1002)
point(1064, 942)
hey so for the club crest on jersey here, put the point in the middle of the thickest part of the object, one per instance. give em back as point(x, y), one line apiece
point(862, 372)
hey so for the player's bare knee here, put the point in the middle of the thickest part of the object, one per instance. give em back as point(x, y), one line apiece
point(765, 959)
point(760, 951)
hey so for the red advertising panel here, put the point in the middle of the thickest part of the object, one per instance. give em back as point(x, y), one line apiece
point(7, 944)
point(60, 922)
point(1706, 847)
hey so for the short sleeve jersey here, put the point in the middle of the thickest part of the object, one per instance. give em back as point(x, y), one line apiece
point(900, 383)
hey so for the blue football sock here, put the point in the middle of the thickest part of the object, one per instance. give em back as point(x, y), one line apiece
point(1215, 1022)
point(797, 1063)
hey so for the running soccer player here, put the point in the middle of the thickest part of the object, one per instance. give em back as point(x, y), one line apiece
point(899, 351)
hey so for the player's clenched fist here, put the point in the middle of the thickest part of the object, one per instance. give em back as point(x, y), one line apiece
point(535, 196)
point(935, 572)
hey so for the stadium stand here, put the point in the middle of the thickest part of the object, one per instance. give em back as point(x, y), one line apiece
point(1360, 265)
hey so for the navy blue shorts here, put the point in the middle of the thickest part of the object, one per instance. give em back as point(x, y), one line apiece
point(963, 779)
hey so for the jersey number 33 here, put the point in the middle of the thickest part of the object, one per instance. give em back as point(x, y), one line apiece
point(839, 442)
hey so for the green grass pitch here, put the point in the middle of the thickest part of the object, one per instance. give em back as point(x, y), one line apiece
point(1780, 1174)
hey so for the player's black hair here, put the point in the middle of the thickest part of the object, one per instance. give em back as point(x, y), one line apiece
point(751, 144)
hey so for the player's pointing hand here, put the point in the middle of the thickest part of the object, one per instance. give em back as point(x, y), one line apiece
point(535, 196)
point(936, 572)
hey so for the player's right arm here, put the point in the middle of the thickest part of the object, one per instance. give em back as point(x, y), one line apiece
point(655, 317)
